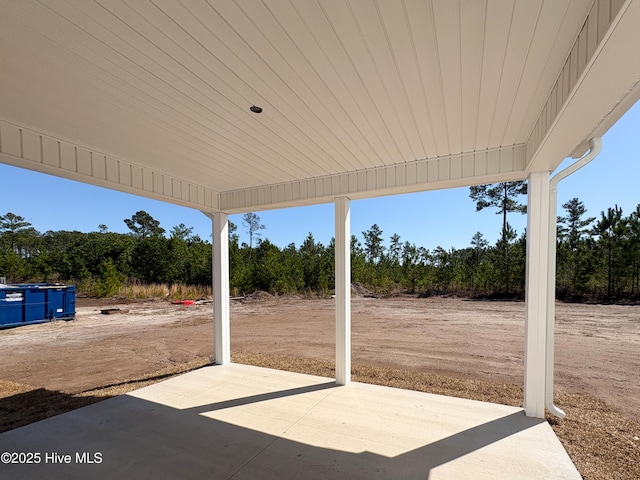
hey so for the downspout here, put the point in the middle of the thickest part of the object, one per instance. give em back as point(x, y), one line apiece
point(595, 146)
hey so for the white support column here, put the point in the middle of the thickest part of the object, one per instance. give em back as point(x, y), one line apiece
point(221, 330)
point(343, 291)
point(536, 294)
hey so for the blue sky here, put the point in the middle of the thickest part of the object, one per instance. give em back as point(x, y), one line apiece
point(444, 218)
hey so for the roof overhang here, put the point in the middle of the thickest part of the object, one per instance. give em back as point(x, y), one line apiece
point(359, 99)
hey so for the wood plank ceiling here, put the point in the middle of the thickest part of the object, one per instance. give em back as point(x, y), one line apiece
point(359, 98)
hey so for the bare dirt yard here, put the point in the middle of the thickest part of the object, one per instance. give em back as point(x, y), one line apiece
point(597, 346)
point(456, 347)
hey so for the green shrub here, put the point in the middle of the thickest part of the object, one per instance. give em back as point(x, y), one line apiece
point(109, 282)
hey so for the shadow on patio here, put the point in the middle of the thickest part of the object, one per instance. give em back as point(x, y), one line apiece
point(261, 423)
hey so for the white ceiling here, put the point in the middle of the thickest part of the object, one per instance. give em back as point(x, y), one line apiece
point(359, 98)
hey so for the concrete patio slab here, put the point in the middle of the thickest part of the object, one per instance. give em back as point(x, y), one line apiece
point(243, 422)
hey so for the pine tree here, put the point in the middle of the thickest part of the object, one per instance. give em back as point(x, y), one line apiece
point(572, 230)
point(503, 196)
point(251, 221)
point(373, 247)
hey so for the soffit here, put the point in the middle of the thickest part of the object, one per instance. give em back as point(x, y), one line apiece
point(165, 87)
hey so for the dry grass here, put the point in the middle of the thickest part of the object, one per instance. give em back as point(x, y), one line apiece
point(601, 442)
point(163, 290)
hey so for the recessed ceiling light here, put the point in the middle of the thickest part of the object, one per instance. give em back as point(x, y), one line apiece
point(255, 109)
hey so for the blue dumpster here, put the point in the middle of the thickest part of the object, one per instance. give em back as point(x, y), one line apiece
point(23, 304)
point(11, 306)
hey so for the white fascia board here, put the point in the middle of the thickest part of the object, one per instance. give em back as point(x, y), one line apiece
point(26, 148)
point(598, 84)
point(451, 171)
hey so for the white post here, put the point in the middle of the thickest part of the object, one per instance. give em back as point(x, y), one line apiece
point(221, 334)
point(343, 291)
point(536, 294)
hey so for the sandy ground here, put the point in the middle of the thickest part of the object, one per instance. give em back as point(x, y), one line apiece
point(597, 346)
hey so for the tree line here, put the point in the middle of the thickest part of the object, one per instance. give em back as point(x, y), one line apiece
point(597, 257)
